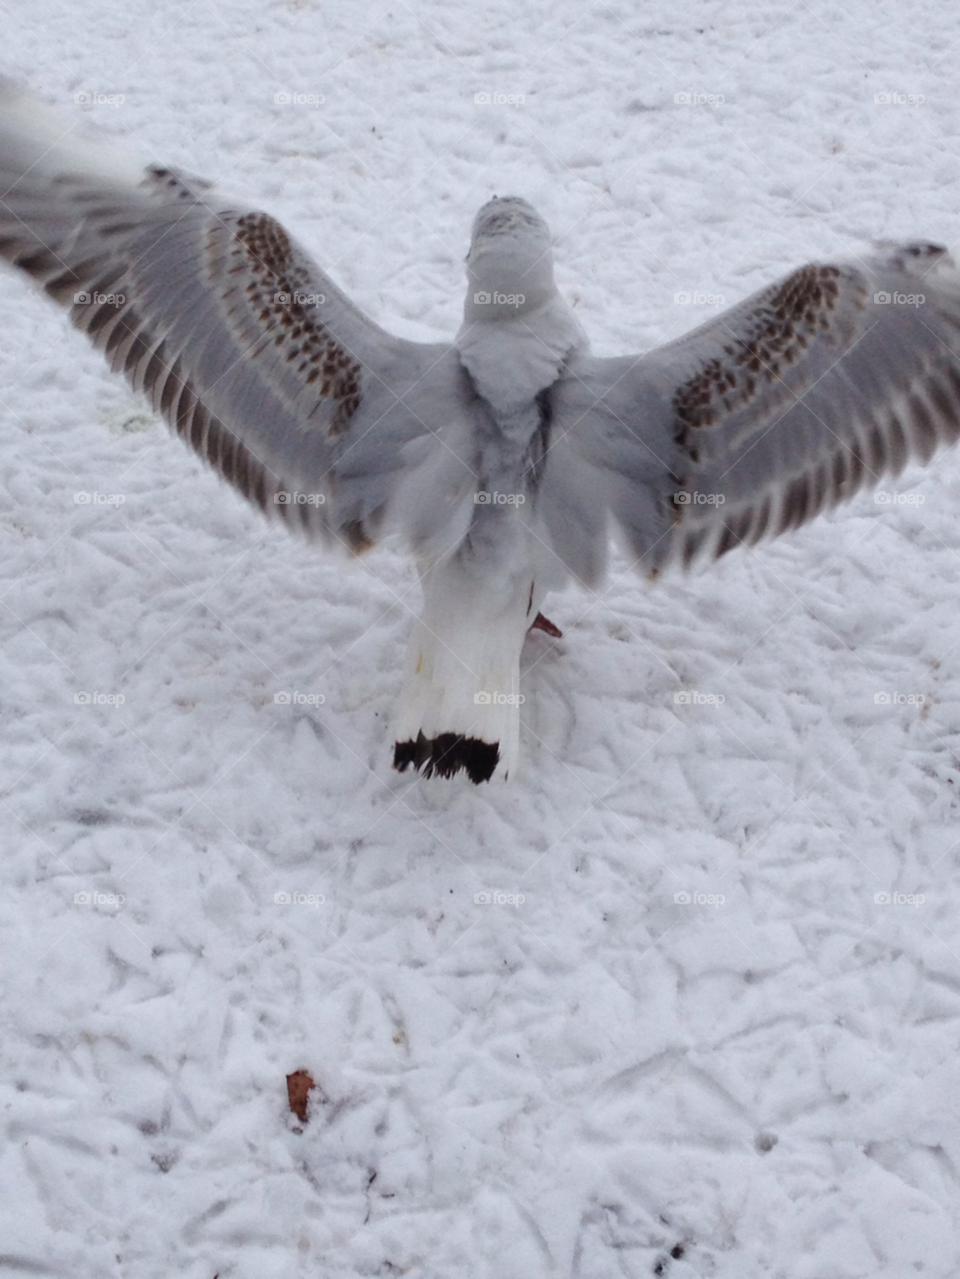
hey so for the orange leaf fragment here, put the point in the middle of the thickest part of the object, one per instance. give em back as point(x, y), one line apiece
point(299, 1085)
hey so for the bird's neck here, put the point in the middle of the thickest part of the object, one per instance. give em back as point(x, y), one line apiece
point(507, 279)
point(511, 358)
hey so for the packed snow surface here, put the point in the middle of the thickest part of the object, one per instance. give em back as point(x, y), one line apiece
point(683, 998)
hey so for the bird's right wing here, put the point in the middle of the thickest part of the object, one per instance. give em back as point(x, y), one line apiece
point(250, 351)
point(805, 393)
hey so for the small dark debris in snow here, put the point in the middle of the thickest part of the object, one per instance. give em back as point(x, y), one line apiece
point(92, 817)
point(298, 1093)
point(677, 1251)
point(766, 1141)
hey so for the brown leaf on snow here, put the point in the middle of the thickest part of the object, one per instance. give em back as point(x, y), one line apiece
point(299, 1085)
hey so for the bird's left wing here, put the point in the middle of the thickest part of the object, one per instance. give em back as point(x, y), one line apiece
point(250, 351)
point(751, 424)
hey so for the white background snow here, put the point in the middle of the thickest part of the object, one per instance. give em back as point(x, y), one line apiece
point(578, 1084)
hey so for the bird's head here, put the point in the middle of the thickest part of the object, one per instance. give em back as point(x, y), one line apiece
point(510, 263)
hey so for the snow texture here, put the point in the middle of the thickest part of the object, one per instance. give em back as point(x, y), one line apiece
point(587, 1075)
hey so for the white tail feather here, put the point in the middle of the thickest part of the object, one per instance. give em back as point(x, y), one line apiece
point(462, 675)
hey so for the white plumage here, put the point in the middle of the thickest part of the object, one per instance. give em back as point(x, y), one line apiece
point(505, 458)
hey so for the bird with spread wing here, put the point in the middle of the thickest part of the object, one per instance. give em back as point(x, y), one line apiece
point(505, 458)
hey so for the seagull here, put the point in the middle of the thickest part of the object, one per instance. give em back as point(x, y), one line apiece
point(504, 459)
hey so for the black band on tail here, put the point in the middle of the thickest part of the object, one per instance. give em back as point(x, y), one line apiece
point(448, 754)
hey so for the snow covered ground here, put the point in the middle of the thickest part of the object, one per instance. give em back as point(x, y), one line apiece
point(758, 1077)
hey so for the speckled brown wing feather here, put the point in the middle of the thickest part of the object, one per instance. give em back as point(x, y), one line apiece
point(751, 424)
point(253, 355)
